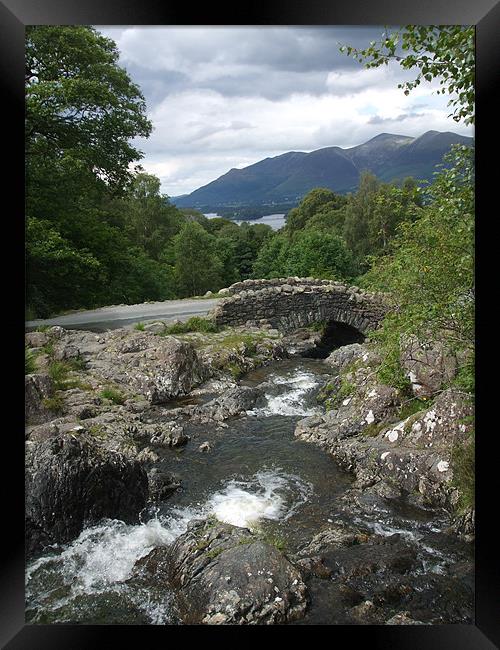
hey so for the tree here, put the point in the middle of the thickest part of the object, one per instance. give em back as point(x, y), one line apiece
point(430, 271)
point(444, 52)
point(318, 254)
point(313, 201)
point(149, 219)
point(80, 103)
point(197, 266)
point(358, 214)
point(82, 110)
point(271, 258)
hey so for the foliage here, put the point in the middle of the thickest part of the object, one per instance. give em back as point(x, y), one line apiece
point(54, 404)
point(463, 465)
point(29, 361)
point(466, 379)
point(197, 267)
point(80, 103)
point(444, 52)
point(193, 324)
point(430, 271)
point(112, 395)
point(309, 253)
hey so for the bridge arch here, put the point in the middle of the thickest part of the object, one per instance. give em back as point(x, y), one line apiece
point(289, 304)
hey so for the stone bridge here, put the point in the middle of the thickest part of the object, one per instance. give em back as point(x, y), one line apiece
point(291, 303)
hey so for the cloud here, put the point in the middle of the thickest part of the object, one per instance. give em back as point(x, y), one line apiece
point(224, 97)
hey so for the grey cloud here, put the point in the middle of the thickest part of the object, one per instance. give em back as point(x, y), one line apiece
point(377, 119)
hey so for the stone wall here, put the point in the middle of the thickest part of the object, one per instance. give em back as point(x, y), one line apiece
point(290, 303)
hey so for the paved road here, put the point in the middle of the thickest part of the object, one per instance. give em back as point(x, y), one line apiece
point(104, 318)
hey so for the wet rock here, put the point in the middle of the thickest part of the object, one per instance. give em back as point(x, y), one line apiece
point(464, 525)
point(334, 536)
point(403, 618)
point(222, 574)
point(392, 556)
point(366, 613)
point(234, 401)
point(205, 447)
point(71, 481)
point(37, 388)
point(162, 484)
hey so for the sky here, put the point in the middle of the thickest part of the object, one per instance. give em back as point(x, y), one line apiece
point(227, 97)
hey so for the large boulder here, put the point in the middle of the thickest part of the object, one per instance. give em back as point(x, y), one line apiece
point(428, 366)
point(71, 482)
point(37, 388)
point(160, 368)
point(346, 354)
point(223, 574)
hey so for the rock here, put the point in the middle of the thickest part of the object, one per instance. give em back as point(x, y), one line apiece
point(162, 484)
point(65, 352)
point(334, 536)
point(344, 355)
point(234, 401)
point(205, 447)
point(71, 482)
point(224, 292)
point(154, 328)
point(428, 365)
point(208, 294)
point(224, 575)
point(403, 618)
point(37, 387)
point(160, 368)
point(173, 436)
point(56, 331)
point(36, 339)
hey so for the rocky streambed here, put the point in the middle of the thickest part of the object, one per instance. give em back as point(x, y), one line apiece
point(172, 480)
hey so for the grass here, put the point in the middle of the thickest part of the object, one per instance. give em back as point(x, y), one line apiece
point(29, 362)
point(463, 465)
point(139, 326)
point(112, 395)
point(412, 406)
point(54, 404)
point(465, 379)
point(373, 429)
point(59, 373)
point(194, 324)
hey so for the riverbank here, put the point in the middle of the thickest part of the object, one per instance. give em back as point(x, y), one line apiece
point(209, 504)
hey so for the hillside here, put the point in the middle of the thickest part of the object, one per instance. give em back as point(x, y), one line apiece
point(288, 177)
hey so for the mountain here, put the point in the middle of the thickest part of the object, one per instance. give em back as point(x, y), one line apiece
point(288, 177)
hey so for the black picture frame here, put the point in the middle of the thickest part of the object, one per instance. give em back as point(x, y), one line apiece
point(14, 15)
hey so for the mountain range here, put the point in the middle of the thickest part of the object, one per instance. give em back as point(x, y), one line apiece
point(288, 177)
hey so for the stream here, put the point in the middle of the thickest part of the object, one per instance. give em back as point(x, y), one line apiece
point(256, 475)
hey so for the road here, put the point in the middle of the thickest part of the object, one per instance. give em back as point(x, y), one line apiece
point(104, 318)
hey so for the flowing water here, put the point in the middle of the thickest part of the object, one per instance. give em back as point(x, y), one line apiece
point(257, 475)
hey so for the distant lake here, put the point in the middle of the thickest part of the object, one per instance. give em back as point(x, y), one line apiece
point(276, 221)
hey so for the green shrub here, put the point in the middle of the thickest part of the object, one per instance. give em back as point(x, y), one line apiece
point(465, 379)
point(194, 324)
point(463, 465)
point(58, 371)
point(29, 362)
point(139, 326)
point(112, 395)
point(54, 404)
